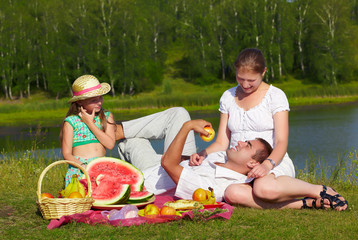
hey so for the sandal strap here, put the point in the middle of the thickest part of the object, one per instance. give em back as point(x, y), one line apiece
point(323, 192)
point(314, 205)
point(304, 204)
point(334, 200)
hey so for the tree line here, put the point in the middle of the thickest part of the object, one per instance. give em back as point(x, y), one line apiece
point(132, 44)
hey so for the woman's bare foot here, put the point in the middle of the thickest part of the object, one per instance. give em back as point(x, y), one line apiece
point(335, 200)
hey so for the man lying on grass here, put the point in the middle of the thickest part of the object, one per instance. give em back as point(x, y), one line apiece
point(219, 172)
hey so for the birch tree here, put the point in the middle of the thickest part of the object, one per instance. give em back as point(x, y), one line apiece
point(329, 39)
point(302, 7)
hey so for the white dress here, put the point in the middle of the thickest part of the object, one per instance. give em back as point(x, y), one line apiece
point(257, 122)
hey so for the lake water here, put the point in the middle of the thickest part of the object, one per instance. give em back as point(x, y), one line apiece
point(325, 132)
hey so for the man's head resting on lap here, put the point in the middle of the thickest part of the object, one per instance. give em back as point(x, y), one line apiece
point(249, 153)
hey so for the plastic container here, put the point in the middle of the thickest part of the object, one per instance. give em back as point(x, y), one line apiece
point(128, 211)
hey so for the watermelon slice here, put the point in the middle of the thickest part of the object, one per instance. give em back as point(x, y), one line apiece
point(138, 197)
point(113, 179)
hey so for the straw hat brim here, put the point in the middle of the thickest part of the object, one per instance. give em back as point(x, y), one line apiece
point(104, 89)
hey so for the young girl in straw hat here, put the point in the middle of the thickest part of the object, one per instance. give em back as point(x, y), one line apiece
point(88, 130)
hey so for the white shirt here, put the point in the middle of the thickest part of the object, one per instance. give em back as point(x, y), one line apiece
point(208, 174)
point(256, 122)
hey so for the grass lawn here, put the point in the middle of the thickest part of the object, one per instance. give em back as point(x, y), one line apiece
point(21, 219)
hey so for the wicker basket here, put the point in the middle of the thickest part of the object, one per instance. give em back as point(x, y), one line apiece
point(55, 208)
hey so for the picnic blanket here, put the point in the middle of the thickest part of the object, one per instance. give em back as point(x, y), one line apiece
point(94, 217)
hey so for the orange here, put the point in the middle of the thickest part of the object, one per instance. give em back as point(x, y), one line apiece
point(167, 211)
point(75, 195)
point(200, 195)
point(211, 132)
point(46, 195)
point(151, 209)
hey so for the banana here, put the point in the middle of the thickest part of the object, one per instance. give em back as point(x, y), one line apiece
point(74, 186)
point(81, 189)
point(211, 197)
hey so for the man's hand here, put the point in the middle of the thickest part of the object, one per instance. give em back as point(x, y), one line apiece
point(198, 126)
point(196, 160)
point(259, 171)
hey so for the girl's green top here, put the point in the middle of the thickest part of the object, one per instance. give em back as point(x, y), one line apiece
point(81, 133)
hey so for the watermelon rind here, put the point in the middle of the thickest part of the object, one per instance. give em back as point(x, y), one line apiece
point(145, 196)
point(122, 197)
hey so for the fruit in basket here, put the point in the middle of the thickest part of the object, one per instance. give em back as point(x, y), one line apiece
point(75, 195)
point(73, 186)
point(204, 196)
point(211, 132)
point(151, 209)
point(167, 211)
point(113, 180)
point(46, 195)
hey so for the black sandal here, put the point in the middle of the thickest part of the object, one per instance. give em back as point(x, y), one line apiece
point(334, 200)
point(314, 206)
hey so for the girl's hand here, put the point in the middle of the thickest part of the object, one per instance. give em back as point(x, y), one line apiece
point(196, 160)
point(85, 117)
point(258, 171)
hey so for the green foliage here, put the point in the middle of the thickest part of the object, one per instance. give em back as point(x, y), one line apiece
point(46, 45)
point(344, 173)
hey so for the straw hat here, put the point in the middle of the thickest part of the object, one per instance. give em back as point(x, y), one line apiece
point(88, 86)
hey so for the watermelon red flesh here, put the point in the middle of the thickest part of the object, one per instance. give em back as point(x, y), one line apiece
point(111, 174)
point(138, 197)
point(114, 168)
point(111, 193)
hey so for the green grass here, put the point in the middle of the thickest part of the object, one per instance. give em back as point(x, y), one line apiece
point(20, 218)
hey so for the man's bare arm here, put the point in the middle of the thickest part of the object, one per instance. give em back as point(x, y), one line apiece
point(172, 157)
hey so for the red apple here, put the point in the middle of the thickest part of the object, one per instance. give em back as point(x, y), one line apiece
point(46, 195)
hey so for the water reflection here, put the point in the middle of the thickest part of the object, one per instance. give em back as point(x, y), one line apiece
point(325, 132)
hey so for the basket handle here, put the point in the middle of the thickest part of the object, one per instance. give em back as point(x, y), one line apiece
point(89, 190)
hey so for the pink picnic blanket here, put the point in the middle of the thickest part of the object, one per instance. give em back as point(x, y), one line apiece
point(94, 217)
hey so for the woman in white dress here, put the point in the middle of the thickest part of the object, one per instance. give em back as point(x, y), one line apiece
point(255, 109)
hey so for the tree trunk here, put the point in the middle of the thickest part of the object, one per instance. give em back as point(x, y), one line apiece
point(222, 57)
point(10, 93)
point(202, 49)
point(302, 11)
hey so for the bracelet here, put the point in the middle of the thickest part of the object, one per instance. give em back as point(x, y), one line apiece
point(272, 162)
